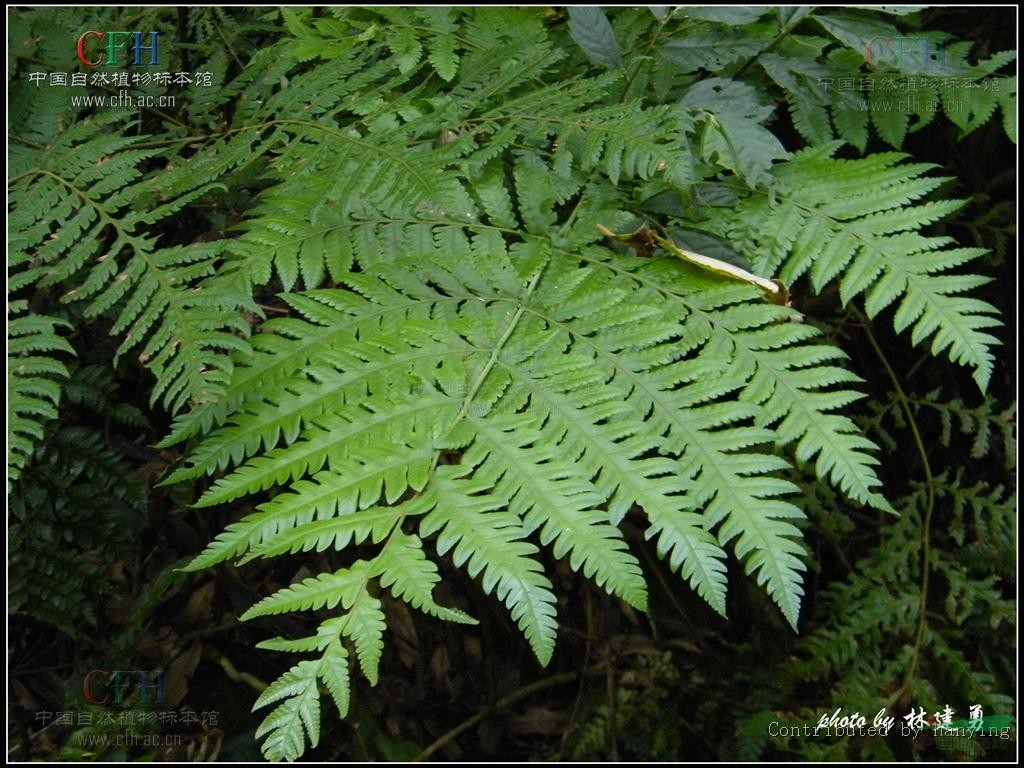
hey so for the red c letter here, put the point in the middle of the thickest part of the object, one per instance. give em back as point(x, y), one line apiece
point(87, 682)
point(81, 50)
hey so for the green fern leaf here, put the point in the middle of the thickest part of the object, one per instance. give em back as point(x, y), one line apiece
point(327, 589)
point(374, 524)
point(350, 486)
point(490, 542)
point(364, 625)
point(334, 672)
point(89, 185)
point(460, 374)
point(288, 726)
point(855, 220)
point(690, 549)
point(443, 58)
point(509, 452)
point(411, 577)
point(482, 373)
point(34, 377)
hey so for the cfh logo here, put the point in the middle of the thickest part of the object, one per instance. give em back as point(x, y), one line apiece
point(906, 54)
point(104, 687)
point(112, 49)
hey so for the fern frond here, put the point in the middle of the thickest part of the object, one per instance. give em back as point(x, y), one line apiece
point(347, 425)
point(625, 141)
point(857, 221)
point(585, 416)
point(334, 673)
point(363, 625)
point(689, 548)
point(690, 421)
point(765, 542)
point(77, 489)
point(875, 612)
point(374, 524)
point(799, 395)
point(483, 374)
point(791, 380)
point(571, 390)
point(80, 213)
point(34, 377)
point(462, 373)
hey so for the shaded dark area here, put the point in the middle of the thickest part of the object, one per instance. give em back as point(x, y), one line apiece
point(114, 654)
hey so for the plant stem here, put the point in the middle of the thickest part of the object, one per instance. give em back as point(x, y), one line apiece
point(904, 401)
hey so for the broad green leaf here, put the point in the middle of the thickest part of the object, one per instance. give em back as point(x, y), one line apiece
point(593, 33)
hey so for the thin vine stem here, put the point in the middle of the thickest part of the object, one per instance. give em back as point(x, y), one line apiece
point(926, 524)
